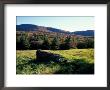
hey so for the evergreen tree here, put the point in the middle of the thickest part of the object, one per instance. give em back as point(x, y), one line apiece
point(18, 41)
point(55, 43)
point(90, 43)
point(68, 43)
point(24, 42)
point(81, 45)
point(46, 44)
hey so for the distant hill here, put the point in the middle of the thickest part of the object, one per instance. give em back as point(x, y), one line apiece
point(58, 30)
point(84, 33)
point(26, 27)
point(31, 27)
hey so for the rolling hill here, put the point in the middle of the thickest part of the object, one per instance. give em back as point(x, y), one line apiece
point(31, 27)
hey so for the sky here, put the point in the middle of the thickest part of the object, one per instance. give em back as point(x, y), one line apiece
point(67, 23)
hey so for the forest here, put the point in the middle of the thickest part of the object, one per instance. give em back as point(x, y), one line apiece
point(49, 41)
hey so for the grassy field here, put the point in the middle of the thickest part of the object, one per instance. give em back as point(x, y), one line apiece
point(81, 61)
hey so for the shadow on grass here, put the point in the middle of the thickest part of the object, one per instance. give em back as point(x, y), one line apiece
point(76, 66)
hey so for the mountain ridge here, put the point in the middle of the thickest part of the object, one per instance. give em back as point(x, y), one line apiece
point(32, 27)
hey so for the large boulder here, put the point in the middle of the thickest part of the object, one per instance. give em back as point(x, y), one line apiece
point(43, 56)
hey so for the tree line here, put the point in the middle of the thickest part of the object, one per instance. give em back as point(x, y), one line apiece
point(35, 41)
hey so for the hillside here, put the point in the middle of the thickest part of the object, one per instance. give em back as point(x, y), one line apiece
point(33, 28)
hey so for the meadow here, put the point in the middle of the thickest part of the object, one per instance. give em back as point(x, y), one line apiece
point(79, 61)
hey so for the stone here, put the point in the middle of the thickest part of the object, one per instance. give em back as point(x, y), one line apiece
point(46, 56)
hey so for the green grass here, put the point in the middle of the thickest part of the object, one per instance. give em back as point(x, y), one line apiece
point(81, 61)
point(87, 54)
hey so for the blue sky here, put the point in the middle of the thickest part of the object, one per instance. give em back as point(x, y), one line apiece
point(67, 23)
